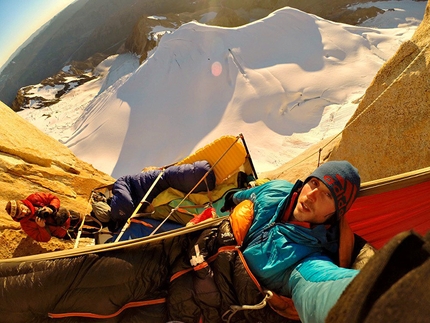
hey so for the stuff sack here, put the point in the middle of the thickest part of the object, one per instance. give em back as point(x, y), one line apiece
point(391, 287)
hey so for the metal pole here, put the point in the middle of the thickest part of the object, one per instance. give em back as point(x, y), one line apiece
point(127, 224)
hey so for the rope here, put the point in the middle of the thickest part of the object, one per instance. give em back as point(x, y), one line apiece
point(228, 315)
point(364, 111)
point(83, 216)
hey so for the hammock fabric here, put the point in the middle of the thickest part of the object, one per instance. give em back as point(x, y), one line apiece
point(379, 217)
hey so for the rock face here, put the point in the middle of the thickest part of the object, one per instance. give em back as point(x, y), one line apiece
point(146, 34)
point(389, 133)
point(31, 161)
point(71, 76)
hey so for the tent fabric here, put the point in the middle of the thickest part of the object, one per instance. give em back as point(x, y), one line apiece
point(398, 181)
point(226, 154)
point(379, 217)
point(173, 197)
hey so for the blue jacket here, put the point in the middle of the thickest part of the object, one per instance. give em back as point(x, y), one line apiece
point(315, 285)
point(275, 251)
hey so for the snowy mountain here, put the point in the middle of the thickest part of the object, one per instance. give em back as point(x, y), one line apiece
point(286, 82)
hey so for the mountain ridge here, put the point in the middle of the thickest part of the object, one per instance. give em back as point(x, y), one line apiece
point(86, 28)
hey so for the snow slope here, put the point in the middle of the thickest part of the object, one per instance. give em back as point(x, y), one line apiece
point(286, 82)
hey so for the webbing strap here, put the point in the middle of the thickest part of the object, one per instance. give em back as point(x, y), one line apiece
point(146, 224)
point(107, 316)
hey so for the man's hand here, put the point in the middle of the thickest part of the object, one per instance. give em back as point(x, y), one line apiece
point(40, 222)
point(44, 212)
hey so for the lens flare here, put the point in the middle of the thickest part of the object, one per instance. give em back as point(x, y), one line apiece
point(216, 69)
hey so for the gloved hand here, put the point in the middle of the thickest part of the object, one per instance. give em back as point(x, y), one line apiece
point(228, 202)
point(44, 212)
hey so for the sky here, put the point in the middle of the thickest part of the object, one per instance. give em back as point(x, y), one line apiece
point(285, 82)
point(20, 19)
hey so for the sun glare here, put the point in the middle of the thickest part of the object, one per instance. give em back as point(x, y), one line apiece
point(216, 69)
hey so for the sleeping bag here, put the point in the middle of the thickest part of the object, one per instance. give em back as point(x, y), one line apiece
point(199, 276)
point(129, 190)
point(154, 282)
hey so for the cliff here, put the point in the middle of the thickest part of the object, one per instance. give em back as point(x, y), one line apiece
point(389, 133)
point(31, 161)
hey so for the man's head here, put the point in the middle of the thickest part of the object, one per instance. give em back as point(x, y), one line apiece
point(329, 190)
point(61, 216)
point(17, 209)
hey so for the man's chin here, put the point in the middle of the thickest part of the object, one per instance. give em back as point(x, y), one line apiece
point(301, 216)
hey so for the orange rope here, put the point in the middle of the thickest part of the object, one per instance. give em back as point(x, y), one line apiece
point(106, 316)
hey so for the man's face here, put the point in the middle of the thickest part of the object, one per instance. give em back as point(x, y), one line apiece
point(24, 211)
point(315, 203)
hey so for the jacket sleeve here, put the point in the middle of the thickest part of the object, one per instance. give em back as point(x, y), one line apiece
point(33, 230)
point(315, 285)
point(44, 199)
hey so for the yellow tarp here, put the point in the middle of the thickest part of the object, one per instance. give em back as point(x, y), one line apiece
point(225, 165)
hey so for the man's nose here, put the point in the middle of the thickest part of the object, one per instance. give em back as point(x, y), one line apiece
point(312, 194)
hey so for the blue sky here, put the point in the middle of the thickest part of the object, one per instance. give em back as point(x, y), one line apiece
point(20, 19)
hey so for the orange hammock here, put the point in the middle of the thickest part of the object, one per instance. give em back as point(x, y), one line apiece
point(396, 204)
